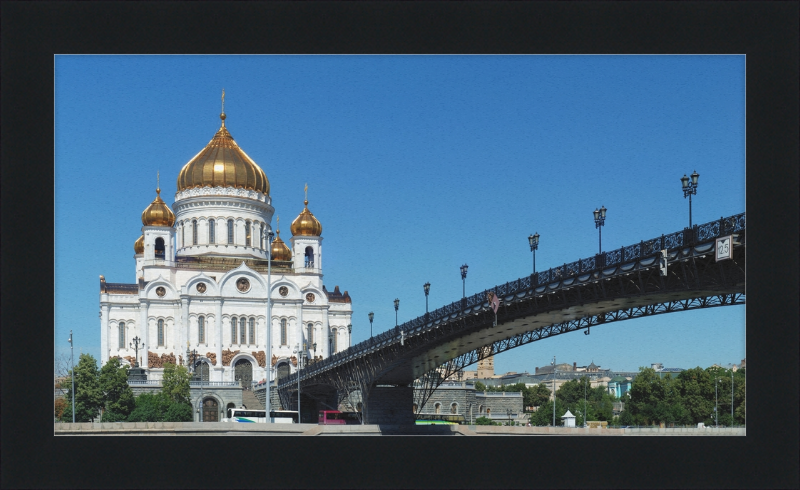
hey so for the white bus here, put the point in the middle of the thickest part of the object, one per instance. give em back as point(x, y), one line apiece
point(244, 415)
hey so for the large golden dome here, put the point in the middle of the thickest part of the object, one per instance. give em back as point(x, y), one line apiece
point(138, 245)
point(222, 164)
point(306, 224)
point(158, 213)
point(279, 249)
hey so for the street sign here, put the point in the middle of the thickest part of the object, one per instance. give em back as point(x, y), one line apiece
point(724, 248)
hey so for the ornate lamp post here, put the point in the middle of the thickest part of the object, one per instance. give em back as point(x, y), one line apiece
point(554, 390)
point(268, 337)
point(135, 344)
point(298, 353)
point(72, 362)
point(349, 334)
point(599, 221)
point(464, 281)
point(533, 241)
point(689, 189)
point(371, 317)
point(427, 288)
point(396, 307)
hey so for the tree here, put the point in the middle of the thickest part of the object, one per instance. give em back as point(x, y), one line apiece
point(697, 394)
point(175, 384)
point(480, 386)
point(150, 407)
point(539, 395)
point(484, 421)
point(88, 396)
point(117, 395)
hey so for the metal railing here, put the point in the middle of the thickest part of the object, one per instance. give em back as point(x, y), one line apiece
point(680, 239)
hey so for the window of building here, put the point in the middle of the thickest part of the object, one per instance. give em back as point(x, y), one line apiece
point(437, 408)
point(233, 330)
point(161, 332)
point(283, 331)
point(335, 342)
point(242, 330)
point(201, 329)
point(194, 232)
point(414, 408)
point(230, 231)
point(211, 225)
point(454, 408)
point(121, 335)
point(310, 334)
point(247, 233)
point(309, 257)
point(252, 330)
point(261, 237)
point(159, 247)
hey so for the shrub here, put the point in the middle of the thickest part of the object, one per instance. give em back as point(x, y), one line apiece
point(178, 412)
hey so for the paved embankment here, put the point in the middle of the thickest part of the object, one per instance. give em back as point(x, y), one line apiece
point(238, 429)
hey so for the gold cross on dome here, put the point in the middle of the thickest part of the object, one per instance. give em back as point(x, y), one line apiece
point(306, 190)
point(223, 101)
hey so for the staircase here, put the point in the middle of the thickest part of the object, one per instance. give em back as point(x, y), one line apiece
point(249, 400)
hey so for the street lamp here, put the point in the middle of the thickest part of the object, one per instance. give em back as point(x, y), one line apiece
point(371, 316)
point(464, 281)
point(584, 403)
point(689, 189)
point(716, 404)
point(427, 288)
point(396, 306)
point(298, 353)
point(135, 344)
point(533, 241)
point(72, 362)
point(600, 220)
point(732, 420)
point(554, 390)
point(268, 337)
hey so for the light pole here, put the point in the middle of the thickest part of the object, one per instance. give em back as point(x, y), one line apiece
point(599, 221)
point(554, 391)
point(371, 317)
point(427, 288)
point(134, 344)
point(464, 281)
point(396, 307)
point(268, 364)
point(689, 189)
point(732, 420)
point(533, 241)
point(72, 362)
point(297, 353)
point(584, 403)
point(716, 404)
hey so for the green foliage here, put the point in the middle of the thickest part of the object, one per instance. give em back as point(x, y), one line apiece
point(118, 396)
point(175, 384)
point(537, 396)
point(479, 386)
point(544, 416)
point(88, 396)
point(178, 412)
point(484, 421)
point(150, 407)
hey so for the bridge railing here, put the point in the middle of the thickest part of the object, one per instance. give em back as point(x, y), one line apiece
point(679, 239)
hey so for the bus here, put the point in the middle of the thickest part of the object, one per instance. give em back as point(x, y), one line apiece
point(335, 417)
point(439, 419)
point(243, 415)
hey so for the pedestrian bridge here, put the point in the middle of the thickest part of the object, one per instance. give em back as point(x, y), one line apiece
point(405, 364)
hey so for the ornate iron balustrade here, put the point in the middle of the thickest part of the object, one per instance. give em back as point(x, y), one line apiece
point(670, 242)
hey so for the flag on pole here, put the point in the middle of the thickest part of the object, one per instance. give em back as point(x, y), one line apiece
point(494, 302)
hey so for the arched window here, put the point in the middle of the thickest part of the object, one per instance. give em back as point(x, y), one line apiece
point(161, 332)
point(242, 330)
point(437, 408)
point(201, 329)
point(194, 232)
point(247, 233)
point(230, 231)
point(211, 224)
point(121, 335)
point(454, 408)
point(252, 330)
point(283, 331)
point(309, 257)
point(310, 334)
point(159, 248)
point(184, 227)
point(233, 330)
point(261, 237)
point(335, 341)
point(414, 408)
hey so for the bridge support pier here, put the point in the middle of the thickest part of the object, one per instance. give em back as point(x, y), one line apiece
point(390, 405)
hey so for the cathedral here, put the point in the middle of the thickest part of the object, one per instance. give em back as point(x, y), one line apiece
point(204, 271)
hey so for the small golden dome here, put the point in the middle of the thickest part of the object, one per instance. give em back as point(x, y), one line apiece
point(279, 249)
point(138, 246)
point(222, 164)
point(306, 224)
point(158, 213)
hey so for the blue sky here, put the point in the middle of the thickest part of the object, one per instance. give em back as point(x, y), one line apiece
point(415, 165)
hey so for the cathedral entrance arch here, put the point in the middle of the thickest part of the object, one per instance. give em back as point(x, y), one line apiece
point(201, 371)
point(243, 372)
point(210, 410)
point(283, 371)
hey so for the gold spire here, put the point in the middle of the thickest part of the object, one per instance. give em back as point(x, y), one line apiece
point(279, 250)
point(306, 224)
point(222, 115)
